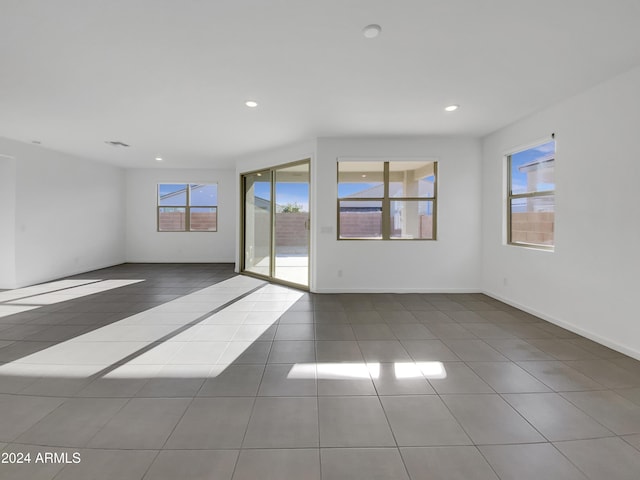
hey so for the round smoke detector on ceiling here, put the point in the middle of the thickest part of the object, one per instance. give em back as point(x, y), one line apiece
point(371, 31)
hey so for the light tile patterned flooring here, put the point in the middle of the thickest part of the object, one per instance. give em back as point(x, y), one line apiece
point(188, 371)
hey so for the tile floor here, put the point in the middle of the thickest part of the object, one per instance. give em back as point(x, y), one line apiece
point(191, 372)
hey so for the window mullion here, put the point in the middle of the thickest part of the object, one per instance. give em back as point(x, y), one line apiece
point(187, 210)
point(386, 205)
point(541, 193)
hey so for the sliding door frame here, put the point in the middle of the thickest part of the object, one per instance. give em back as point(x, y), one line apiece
point(272, 224)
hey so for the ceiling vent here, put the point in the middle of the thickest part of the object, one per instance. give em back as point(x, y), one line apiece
point(115, 143)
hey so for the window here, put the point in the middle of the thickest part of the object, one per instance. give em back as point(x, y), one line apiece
point(187, 207)
point(393, 200)
point(531, 196)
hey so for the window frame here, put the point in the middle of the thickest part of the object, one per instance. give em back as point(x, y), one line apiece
point(537, 194)
point(386, 200)
point(187, 206)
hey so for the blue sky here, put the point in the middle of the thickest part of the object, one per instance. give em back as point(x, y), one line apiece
point(293, 193)
point(262, 190)
point(205, 195)
point(519, 179)
point(346, 189)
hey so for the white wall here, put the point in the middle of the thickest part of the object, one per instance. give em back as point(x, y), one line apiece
point(7, 221)
point(449, 264)
point(590, 283)
point(146, 244)
point(68, 214)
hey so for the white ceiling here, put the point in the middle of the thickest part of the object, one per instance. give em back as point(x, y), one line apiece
point(170, 77)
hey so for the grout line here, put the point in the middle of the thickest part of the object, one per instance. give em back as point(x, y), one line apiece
point(486, 460)
point(384, 412)
point(569, 460)
point(253, 406)
point(150, 465)
point(178, 422)
point(315, 355)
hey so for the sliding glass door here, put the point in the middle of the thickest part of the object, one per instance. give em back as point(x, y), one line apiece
point(257, 220)
point(291, 234)
point(276, 223)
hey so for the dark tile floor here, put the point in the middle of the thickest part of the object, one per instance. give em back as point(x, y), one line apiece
point(191, 372)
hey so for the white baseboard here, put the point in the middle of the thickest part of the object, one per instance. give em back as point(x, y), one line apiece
point(607, 342)
point(396, 290)
point(70, 273)
point(164, 260)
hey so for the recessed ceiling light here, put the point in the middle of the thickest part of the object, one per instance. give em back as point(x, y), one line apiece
point(364, 176)
point(158, 159)
point(371, 31)
point(452, 108)
point(259, 174)
point(251, 103)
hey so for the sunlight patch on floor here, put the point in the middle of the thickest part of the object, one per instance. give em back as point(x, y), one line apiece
point(337, 371)
point(41, 288)
point(198, 348)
